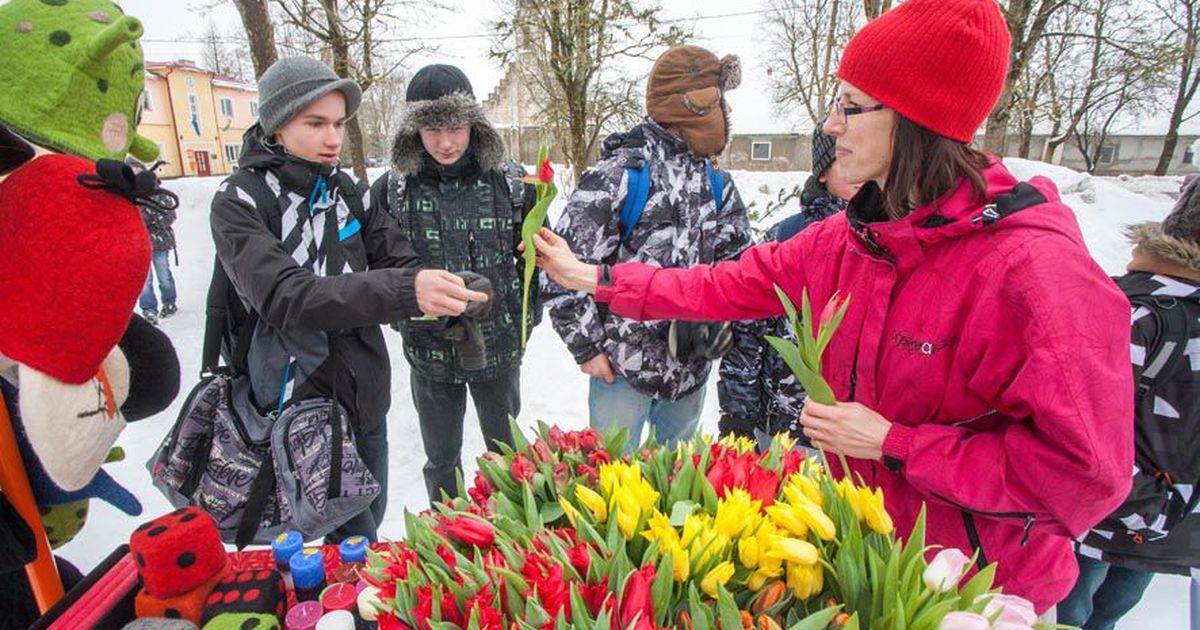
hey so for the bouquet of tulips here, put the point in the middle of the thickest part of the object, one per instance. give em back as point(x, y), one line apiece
point(576, 530)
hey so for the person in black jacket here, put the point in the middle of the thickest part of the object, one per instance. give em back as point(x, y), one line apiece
point(756, 389)
point(162, 242)
point(462, 204)
point(1157, 529)
point(280, 268)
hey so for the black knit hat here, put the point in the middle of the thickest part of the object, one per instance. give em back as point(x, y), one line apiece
point(824, 150)
point(1184, 220)
point(435, 81)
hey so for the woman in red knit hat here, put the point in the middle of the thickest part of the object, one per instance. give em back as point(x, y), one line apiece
point(983, 365)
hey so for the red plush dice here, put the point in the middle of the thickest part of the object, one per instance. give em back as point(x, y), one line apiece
point(177, 552)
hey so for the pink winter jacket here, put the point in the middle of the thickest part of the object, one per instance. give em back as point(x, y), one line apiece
point(990, 339)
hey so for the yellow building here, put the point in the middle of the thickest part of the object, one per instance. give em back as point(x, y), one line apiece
point(196, 117)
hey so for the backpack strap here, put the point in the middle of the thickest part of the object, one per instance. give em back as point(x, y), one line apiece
point(1164, 355)
point(220, 288)
point(637, 192)
point(716, 181)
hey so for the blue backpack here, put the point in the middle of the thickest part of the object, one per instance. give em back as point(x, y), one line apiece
point(638, 191)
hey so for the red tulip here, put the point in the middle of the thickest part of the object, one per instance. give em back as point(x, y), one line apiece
point(424, 609)
point(469, 531)
point(637, 600)
point(484, 603)
point(580, 559)
point(598, 458)
point(792, 460)
point(562, 474)
point(541, 451)
point(483, 488)
point(590, 440)
point(388, 621)
point(522, 470)
point(763, 485)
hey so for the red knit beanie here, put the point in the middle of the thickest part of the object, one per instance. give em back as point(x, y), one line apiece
point(939, 63)
point(72, 263)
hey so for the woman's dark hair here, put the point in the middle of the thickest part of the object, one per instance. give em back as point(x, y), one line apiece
point(925, 166)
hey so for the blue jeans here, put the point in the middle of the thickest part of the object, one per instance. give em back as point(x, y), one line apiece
point(619, 404)
point(1103, 594)
point(160, 265)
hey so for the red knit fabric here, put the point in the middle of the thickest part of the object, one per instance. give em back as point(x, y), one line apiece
point(72, 263)
point(939, 63)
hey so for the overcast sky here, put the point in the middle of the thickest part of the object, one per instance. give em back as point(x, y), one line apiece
point(728, 27)
point(463, 36)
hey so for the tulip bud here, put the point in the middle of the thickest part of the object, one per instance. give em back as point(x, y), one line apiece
point(766, 622)
point(1012, 610)
point(769, 597)
point(959, 620)
point(945, 570)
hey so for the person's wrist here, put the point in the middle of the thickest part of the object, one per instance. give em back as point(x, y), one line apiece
point(587, 277)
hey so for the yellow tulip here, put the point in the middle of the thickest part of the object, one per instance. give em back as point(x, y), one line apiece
point(736, 513)
point(810, 514)
point(718, 576)
point(808, 487)
point(850, 492)
point(874, 511)
point(681, 565)
point(793, 550)
point(692, 527)
point(784, 516)
point(569, 510)
point(593, 502)
point(757, 581)
point(805, 580)
point(626, 522)
point(748, 552)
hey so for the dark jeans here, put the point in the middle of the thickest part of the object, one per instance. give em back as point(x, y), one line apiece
point(1103, 594)
point(373, 448)
point(440, 410)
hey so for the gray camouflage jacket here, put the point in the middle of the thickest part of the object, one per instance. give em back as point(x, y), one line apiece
point(679, 227)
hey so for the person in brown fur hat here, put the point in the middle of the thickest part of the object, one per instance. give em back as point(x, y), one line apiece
point(1156, 529)
point(655, 196)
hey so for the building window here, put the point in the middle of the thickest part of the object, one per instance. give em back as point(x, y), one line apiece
point(254, 109)
point(226, 107)
point(1189, 156)
point(1107, 154)
point(231, 152)
point(193, 105)
point(190, 83)
point(760, 150)
point(147, 104)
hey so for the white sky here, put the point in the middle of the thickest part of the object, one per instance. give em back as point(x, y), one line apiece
point(168, 21)
point(726, 26)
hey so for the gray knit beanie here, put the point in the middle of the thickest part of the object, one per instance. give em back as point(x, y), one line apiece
point(292, 83)
point(1184, 220)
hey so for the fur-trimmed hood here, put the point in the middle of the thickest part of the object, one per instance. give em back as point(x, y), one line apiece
point(452, 109)
point(1151, 238)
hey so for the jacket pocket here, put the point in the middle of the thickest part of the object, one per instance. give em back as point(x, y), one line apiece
point(972, 531)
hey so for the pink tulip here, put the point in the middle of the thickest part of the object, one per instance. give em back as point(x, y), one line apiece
point(963, 621)
point(1013, 610)
point(945, 570)
point(830, 310)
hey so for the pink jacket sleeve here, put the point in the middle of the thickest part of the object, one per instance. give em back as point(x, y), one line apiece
point(1053, 356)
point(729, 291)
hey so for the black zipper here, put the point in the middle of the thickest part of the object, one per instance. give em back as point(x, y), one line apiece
point(968, 515)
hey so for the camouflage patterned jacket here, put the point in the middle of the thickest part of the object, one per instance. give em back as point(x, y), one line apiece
point(757, 390)
point(680, 227)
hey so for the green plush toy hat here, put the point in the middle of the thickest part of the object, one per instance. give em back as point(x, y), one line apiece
point(72, 79)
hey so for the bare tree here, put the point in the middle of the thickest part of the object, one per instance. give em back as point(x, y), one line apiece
point(363, 43)
point(260, 32)
point(804, 44)
point(1027, 21)
point(572, 52)
point(874, 8)
point(223, 54)
point(382, 109)
point(1104, 73)
point(1184, 38)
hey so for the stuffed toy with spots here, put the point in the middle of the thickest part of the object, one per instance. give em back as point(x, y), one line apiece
point(73, 78)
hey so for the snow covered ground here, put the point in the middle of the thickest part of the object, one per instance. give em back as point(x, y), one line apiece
point(554, 390)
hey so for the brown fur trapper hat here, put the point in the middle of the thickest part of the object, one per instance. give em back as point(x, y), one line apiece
point(686, 95)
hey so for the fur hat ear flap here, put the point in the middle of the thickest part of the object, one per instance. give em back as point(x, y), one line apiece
point(731, 72)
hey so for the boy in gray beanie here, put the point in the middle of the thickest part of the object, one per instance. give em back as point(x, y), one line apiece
point(317, 264)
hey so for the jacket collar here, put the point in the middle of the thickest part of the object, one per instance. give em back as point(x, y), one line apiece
point(958, 213)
